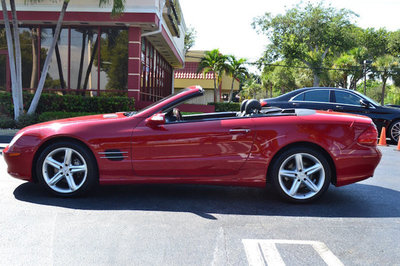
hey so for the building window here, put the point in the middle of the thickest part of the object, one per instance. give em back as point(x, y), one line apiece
point(88, 60)
point(156, 76)
point(114, 59)
point(57, 77)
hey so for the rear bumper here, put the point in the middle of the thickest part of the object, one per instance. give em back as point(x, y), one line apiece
point(356, 165)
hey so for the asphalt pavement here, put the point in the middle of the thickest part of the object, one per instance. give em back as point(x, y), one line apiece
point(357, 224)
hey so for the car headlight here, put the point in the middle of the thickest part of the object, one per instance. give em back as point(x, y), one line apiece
point(15, 138)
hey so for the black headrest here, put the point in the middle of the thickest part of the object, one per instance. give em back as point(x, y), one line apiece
point(243, 106)
point(253, 106)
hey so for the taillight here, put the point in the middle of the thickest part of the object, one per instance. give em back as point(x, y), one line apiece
point(369, 136)
point(263, 104)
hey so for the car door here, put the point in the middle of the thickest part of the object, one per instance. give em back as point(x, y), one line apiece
point(345, 101)
point(318, 99)
point(204, 148)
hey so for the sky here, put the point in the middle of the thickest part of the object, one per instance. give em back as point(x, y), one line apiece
point(226, 24)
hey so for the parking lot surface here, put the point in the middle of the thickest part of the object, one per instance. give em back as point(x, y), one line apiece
point(357, 224)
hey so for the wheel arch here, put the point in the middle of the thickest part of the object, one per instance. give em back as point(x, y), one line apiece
point(55, 140)
point(304, 144)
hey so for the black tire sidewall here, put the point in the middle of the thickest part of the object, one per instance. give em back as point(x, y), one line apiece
point(291, 151)
point(91, 177)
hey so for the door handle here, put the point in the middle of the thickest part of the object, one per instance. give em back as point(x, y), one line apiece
point(339, 107)
point(239, 130)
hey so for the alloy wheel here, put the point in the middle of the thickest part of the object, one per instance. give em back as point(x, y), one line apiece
point(395, 131)
point(301, 176)
point(64, 170)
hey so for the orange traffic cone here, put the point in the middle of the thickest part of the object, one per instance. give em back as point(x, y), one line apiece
point(398, 145)
point(382, 139)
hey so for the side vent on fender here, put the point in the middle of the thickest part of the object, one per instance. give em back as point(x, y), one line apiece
point(113, 155)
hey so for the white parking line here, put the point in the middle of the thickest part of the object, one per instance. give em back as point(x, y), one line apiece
point(264, 251)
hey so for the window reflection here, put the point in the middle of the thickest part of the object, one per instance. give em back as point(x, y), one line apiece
point(114, 59)
point(87, 61)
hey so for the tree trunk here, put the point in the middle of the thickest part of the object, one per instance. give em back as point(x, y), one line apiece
point(384, 79)
point(35, 100)
point(89, 70)
point(316, 79)
point(231, 92)
point(17, 108)
point(270, 91)
point(34, 32)
point(219, 90)
point(215, 88)
point(17, 49)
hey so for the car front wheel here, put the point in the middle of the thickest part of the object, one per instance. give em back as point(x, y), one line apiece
point(301, 174)
point(66, 169)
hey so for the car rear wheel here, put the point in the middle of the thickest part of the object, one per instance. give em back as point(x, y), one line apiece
point(66, 169)
point(301, 174)
point(394, 131)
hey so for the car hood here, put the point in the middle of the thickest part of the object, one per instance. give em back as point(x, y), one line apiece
point(75, 121)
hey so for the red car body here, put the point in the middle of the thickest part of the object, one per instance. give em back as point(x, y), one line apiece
point(213, 149)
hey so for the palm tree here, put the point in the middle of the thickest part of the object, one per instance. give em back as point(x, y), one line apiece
point(350, 70)
point(267, 80)
point(387, 67)
point(213, 61)
point(237, 70)
point(345, 62)
point(253, 88)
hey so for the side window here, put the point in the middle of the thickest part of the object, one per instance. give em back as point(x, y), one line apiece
point(317, 96)
point(347, 98)
point(299, 97)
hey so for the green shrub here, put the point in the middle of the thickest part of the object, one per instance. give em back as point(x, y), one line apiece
point(48, 116)
point(226, 107)
point(26, 120)
point(6, 106)
point(69, 103)
point(6, 122)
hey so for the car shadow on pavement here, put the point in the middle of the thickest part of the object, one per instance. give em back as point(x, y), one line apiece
point(357, 200)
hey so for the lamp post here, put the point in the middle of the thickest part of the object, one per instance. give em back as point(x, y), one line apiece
point(365, 74)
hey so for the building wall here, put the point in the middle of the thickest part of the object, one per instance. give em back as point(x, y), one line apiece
point(139, 18)
point(88, 12)
point(148, 6)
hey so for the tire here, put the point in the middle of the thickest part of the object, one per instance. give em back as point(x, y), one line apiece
point(66, 177)
point(394, 131)
point(292, 178)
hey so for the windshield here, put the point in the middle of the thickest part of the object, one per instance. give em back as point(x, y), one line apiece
point(159, 101)
point(369, 99)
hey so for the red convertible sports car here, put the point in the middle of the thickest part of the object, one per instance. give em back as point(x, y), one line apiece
point(299, 151)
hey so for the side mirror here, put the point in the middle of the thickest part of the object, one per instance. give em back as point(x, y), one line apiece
point(365, 103)
point(156, 120)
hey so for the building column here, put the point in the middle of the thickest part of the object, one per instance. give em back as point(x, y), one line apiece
point(134, 52)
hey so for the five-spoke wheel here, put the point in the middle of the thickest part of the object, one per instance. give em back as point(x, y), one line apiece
point(301, 174)
point(66, 169)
